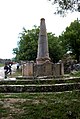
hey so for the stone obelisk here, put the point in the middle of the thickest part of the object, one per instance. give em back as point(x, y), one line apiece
point(43, 53)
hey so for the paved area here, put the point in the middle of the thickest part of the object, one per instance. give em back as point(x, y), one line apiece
point(2, 73)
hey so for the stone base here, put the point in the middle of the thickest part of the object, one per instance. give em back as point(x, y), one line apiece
point(44, 68)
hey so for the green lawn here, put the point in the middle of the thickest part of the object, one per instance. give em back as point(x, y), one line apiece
point(1, 64)
point(64, 105)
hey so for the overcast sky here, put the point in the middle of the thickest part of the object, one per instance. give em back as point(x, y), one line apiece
point(16, 14)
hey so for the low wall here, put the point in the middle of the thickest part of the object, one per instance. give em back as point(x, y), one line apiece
point(45, 69)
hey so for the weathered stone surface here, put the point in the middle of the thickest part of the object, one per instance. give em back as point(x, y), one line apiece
point(39, 88)
point(43, 65)
point(39, 80)
point(48, 69)
point(40, 85)
point(27, 69)
point(43, 53)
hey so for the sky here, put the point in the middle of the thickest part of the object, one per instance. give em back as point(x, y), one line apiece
point(16, 14)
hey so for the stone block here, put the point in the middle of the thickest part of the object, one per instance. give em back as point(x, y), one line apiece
point(27, 69)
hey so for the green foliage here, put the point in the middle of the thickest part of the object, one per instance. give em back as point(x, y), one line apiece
point(55, 48)
point(27, 46)
point(63, 6)
point(75, 74)
point(71, 39)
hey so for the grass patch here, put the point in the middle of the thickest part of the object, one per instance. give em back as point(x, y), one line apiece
point(75, 74)
point(1, 64)
point(15, 74)
point(65, 105)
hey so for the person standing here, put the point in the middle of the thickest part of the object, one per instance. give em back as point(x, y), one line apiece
point(6, 70)
point(17, 66)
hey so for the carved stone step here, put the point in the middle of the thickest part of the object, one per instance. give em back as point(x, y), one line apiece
point(39, 88)
point(39, 81)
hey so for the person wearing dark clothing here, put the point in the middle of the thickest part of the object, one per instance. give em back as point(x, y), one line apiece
point(5, 70)
point(17, 66)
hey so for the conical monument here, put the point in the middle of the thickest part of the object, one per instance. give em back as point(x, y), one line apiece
point(43, 53)
point(43, 65)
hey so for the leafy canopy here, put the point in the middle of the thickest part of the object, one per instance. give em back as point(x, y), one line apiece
point(71, 38)
point(28, 45)
point(63, 6)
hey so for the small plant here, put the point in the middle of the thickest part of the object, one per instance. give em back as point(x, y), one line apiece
point(65, 105)
point(75, 74)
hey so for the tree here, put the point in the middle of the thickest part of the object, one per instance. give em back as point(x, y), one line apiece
point(71, 39)
point(55, 49)
point(63, 6)
point(28, 44)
